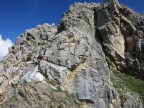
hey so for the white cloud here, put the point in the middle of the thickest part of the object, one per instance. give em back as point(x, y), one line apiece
point(4, 45)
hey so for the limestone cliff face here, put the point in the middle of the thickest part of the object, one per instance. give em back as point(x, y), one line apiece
point(121, 32)
point(68, 65)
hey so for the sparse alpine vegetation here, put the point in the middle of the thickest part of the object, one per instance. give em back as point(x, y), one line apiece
point(125, 83)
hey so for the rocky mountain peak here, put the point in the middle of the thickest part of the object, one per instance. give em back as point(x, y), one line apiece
point(116, 1)
point(70, 65)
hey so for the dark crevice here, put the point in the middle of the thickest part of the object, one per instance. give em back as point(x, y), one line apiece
point(98, 35)
point(61, 27)
point(87, 101)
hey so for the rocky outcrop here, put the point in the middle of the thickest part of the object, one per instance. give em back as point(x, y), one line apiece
point(39, 95)
point(73, 59)
point(121, 33)
point(132, 100)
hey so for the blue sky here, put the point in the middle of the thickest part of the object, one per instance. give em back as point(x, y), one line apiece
point(18, 15)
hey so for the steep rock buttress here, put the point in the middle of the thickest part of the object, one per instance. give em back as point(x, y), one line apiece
point(74, 59)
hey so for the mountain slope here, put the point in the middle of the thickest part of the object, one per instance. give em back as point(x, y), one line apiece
point(69, 65)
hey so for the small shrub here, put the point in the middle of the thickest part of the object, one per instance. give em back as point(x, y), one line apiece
point(59, 89)
point(38, 62)
point(29, 57)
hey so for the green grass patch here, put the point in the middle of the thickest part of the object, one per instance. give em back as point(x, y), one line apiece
point(51, 82)
point(67, 94)
point(122, 81)
point(58, 88)
point(37, 82)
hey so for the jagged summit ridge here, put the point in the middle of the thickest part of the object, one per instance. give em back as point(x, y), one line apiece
point(105, 1)
point(75, 58)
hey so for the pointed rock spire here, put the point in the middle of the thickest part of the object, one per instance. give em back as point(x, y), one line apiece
point(112, 1)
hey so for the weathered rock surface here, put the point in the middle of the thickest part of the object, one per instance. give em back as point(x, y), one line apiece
point(121, 33)
point(133, 101)
point(74, 57)
point(39, 95)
